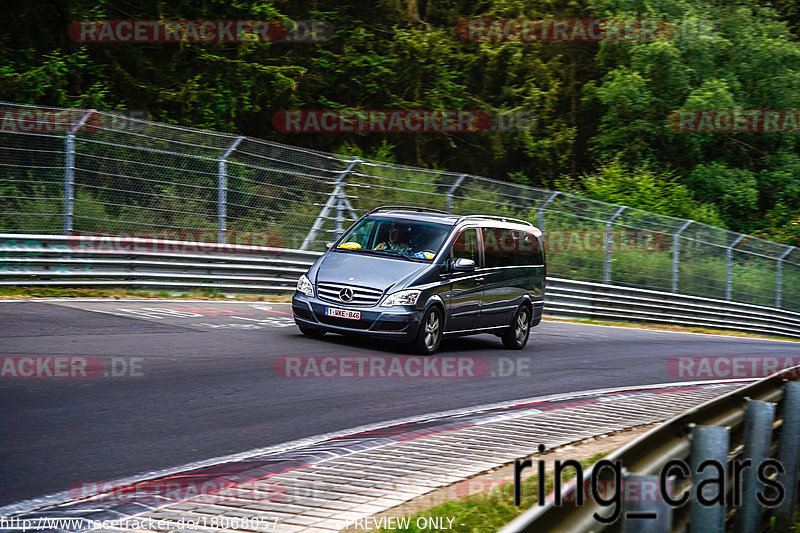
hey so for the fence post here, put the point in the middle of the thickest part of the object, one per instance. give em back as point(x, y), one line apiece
point(609, 242)
point(449, 199)
point(69, 173)
point(729, 272)
point(788, 454)
point(542, 207)
point(779, 276)
point(676, 243)
point(333, 200)
point(757, 438)
point(222, 191)
point(337, 218)
point(709, 443)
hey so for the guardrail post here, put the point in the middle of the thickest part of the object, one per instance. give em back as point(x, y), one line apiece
point(608, 242)
point(676, 244)
point(449, 199)
point(222, 191)
point(779, 276)
point(643, 511)
point(542, 207)
point(788, 454)
point(757, 438)
point(709, 443)
point(729, 272)
point(334, 200)
point(69, 173)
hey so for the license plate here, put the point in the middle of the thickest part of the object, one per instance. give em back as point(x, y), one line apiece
point(343, 313)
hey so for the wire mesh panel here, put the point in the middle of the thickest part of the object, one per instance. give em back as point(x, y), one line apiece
point(32, 162)
point(144, 178)
point(275, 192)
point(85, 172)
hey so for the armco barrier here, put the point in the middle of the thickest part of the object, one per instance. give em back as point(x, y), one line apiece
point(29, 260)
point(759, 422)
point(580, 299)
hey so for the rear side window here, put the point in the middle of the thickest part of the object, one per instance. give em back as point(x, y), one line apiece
point(499, 247)
point(528, 250)
point(505, 247)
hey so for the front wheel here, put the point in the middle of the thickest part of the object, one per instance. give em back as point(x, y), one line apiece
point(516, 337)
point(430, 332)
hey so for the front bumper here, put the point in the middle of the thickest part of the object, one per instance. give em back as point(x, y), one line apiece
point(398, 323)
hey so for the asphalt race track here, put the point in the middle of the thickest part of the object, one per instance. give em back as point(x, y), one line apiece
point(187, 381)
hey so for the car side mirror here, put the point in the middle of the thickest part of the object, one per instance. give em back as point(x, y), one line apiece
point(463, 264)
point(328, 245)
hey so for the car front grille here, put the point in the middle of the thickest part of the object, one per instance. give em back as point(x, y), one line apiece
point(361, 295)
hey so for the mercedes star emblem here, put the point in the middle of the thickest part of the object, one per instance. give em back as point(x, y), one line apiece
point(346, 294)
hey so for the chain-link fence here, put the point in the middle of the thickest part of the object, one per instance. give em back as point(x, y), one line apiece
point(80, 172)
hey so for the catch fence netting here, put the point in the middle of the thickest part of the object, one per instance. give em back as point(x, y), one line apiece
point(83, 172)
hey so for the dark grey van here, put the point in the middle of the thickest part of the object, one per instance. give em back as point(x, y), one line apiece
point(416, 275)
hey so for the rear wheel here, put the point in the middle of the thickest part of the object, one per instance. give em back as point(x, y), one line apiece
point(311, 332)
point(516, 337)
point(430, 332)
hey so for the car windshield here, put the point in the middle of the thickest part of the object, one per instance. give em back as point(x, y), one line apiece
point(414, 240)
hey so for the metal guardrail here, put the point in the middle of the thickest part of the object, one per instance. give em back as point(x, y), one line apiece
point(758, 422)
point(160, 264)
point(53, 260)
point(580, 299)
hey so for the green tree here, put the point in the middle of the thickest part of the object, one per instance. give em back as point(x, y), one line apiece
point(641, 188)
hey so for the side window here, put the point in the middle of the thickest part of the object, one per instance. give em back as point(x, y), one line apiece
point(466, 246)
point(499, 247)
point(528, 250)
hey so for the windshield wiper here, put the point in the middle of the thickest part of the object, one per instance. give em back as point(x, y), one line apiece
point(396, 253)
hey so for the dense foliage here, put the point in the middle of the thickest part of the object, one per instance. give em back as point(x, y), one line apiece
point(600, 108)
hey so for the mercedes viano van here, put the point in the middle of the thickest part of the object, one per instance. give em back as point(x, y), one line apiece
point(417, 275)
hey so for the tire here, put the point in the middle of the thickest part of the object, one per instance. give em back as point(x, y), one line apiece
point(429, 336)
point(516, 337)
point(312, 332)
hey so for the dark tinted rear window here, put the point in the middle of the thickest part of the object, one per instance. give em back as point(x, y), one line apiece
point(505, 247)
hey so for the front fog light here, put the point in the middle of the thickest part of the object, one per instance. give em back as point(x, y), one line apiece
point(402, 298)
point(305, 286)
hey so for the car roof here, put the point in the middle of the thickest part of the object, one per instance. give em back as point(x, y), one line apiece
point(439, 218)
point(451, 220)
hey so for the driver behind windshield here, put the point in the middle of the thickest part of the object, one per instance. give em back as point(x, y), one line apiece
point(397, 240)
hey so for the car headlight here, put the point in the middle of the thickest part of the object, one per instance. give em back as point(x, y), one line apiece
point(402, 298)
point(305, 286)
